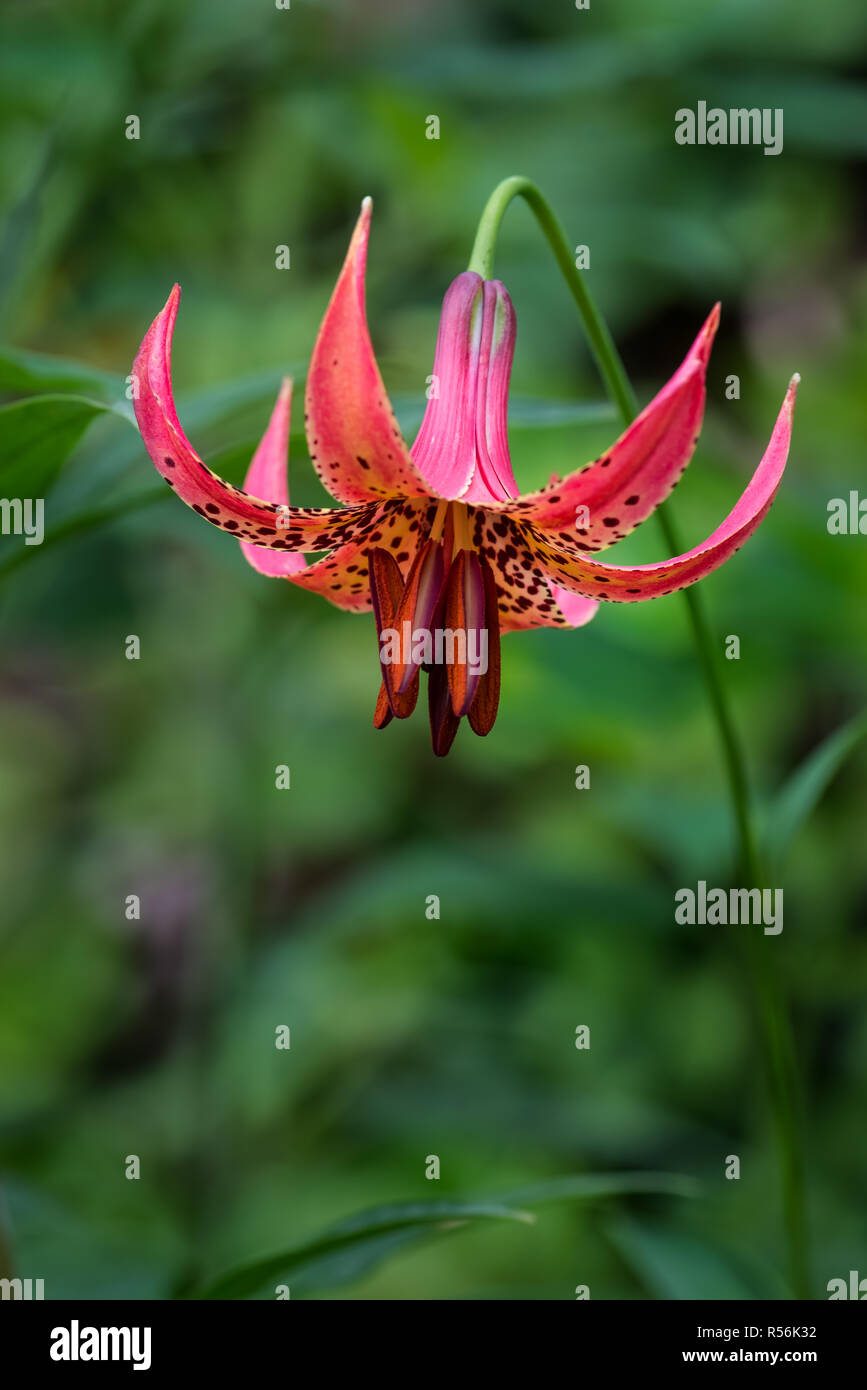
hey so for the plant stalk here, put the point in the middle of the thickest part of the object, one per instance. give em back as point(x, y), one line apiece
point(775, 1028)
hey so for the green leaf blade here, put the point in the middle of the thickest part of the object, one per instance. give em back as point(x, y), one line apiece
point(808, 783)
point(369, 1236)
point(37, 435)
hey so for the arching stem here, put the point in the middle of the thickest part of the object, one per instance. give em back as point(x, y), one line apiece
point(774, 1024)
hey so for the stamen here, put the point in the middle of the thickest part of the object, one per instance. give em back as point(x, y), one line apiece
point(461, 519)
point(443, 721)
point(464, 618)
point(416, 609)
point(386, 590)
point(483, 711)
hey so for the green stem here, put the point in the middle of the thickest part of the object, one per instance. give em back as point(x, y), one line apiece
point(601, 341)
point(775, 1028)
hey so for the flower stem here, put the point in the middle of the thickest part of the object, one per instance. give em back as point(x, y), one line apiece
point(775, 1028)
point(601, 341)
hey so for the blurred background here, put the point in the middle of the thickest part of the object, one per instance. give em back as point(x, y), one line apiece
point(261, 127)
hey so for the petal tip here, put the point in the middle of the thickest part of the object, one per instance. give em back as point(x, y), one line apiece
point(791, 394)
point(704, 342)
point(169, 312)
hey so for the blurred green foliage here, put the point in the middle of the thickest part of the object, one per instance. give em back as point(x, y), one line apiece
point(455, 1037)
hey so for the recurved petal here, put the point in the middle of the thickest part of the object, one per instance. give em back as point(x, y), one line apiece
point(632, 583)
point(577, 610)
point(268, 477)
point(601, 503)
point(231, 508)
point(553, 606)
point(341, 577)
point(354, 441)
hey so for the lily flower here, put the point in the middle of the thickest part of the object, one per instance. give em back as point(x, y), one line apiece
point(436, 538)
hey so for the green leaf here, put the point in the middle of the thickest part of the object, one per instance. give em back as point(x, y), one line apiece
point(368, 1228)
point(807, 784)
point(81, 521)
point(347, 1250)
point(590, 1187)
point(36, 437)
point(26, 373)
point(677, 1265)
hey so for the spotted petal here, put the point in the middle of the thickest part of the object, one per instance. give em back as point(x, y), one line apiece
point(342, 577)
point(231, 508)
point(576, 610)
point(622, 488)
point(354, 440)
point(526, 599)
point(631, 583)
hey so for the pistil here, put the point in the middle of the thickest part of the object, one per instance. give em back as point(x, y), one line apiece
point(439, 520)
point(461, 527)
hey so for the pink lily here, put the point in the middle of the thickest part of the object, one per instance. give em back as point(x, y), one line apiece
point(437, 537)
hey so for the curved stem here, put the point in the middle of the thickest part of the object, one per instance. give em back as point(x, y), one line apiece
point(775, 1028)
point(601, 342)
